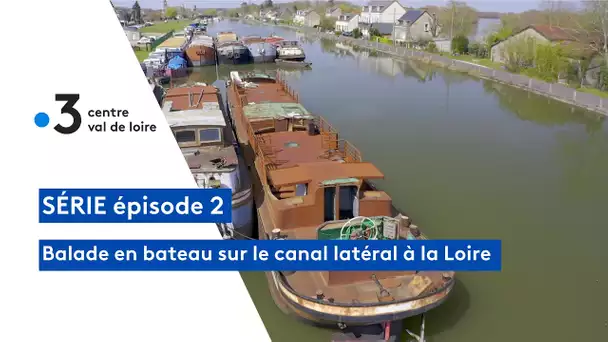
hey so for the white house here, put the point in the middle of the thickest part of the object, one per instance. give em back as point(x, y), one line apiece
point(347, 22)
point(270, 15)
point(307, 17)
point(298, 18)
point(132, 34)
point(415, 25)
point(334, 12)
point(381, 12)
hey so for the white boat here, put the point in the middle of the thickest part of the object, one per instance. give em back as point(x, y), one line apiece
point(290, 50)
point(209, 145)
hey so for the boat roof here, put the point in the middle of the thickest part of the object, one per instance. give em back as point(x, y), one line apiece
point(276, 110)
point(329, 170)
point(193, 106)
point(209, 115)
point(173, 42)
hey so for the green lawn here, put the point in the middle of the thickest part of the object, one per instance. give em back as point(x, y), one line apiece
point(162, 27)
point(481, 61)
point(593, 91)
point(530, 73)
point(142, 54)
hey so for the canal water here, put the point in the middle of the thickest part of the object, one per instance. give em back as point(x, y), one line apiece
point(469, 159)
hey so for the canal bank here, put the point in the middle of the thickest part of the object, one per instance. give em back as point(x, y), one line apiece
point(555, 91)
point(468, 158)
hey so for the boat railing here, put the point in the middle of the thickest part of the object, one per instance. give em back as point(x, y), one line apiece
point(349, 151)
point(331, 141)
point(323, 125)
point(287, 88)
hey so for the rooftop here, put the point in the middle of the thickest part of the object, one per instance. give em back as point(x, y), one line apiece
point(193, 106)
point(347, 16)
point(209, 115)
point(412, 15)
point(173, 42)
point(555, 33)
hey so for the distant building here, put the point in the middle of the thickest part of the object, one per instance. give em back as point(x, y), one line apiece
point(570, 39)
point(577, 45)
point(285, 14)
point(334, 12)
point(347, 22)
point(132, 34)
point(414, 25)
point(385, 29)
point(381, 12)
point(307, 17)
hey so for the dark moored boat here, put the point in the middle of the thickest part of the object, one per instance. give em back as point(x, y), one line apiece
point(260, 50)
point(293, 64)
point(233, 53)
point(230, 50)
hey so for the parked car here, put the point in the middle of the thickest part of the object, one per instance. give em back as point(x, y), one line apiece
point(347, 34)
point(145, 40)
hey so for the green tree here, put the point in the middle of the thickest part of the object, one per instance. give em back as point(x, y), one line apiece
point(267, 4)
point(233, 13)
point(331, 3)
point(357, 33)
point(136, 13)
point(210, 12)
point(460, 44)
point(519, 54)
point(171, 12)
point(456, 19)
point(328, 23)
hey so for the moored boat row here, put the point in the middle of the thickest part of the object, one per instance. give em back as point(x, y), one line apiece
point(194, 48)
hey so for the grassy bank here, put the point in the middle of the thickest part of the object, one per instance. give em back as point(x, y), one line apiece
point(162, 27)
point(529, 73)
point(475, 60)
point(141, 55)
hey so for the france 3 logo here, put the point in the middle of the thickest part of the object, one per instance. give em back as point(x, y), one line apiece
point(42, 119)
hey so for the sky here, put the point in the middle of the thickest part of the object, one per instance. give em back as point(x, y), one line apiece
point(480, 5)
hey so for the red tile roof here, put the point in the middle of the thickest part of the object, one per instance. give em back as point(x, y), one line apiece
point(555, 33)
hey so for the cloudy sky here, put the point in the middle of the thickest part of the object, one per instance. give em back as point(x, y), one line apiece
point(480, 5)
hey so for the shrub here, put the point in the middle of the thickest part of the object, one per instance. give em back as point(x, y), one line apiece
point(373, 32)
point(432, 47)
point(357, 33)
point(460, 44)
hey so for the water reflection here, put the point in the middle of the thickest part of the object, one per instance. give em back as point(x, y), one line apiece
point(541, 110)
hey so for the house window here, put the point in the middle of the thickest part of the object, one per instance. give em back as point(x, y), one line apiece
point(426, 27)
point(187, 136)
point(209, 135)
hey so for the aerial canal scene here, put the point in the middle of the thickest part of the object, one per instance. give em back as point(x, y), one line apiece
point(332, 120)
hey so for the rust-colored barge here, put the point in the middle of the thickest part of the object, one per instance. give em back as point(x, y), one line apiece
point(309, 184)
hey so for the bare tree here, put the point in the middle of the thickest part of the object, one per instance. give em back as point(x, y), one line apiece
point(434, 26)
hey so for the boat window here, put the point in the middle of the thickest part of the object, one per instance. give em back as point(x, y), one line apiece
point(208, 135)
point(301, 189)
point(185, 136)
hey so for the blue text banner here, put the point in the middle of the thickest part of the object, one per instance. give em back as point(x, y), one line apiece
point(269, 255)
point(135, 206)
